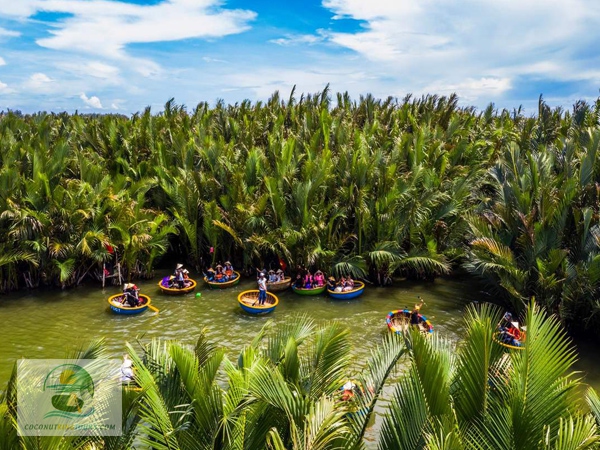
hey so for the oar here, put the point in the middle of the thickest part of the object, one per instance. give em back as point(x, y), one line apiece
point(153, 308)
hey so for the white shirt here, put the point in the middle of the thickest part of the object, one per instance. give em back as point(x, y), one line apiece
point(262, 284)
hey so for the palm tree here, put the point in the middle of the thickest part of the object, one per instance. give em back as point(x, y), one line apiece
point(480, 397)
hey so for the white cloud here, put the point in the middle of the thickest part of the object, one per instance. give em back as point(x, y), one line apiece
point(2, 62)
point(3, 86)
point(8, 33)
point(95, 69)
point(40, 83)
point(104, 27)
point(92, 101)
point(19, 8)
point(477, 47)
point(299, 39)
point(472, 89)
point(209, 60)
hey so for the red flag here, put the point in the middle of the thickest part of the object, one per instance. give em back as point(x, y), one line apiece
point(109, 248)
point(282, 264)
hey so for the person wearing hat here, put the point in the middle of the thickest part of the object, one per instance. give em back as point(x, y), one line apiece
point(126, 370)
point(220, 276)
point(280, 275)
point(229, 273)
point(179, 278)
point(210, 274)
point(319, 278)
point(331, 284)
point(262, 289)
point(131, 294)
point(272, 277)
point(415, 313)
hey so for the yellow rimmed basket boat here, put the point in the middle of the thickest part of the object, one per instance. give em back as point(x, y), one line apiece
point(224, 284)
point(177, 291)
point(498, 339)
point(279, 286)
point(118, 308)
point(398, 321)
point(248, 301)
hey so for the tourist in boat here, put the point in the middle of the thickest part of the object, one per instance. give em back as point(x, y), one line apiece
point(414, 314)
point(349, 284)
point(126, 370)
point(272, 277)
point(262, 289)
point(340, 285)
point(179, 276)
point(220, 276)
point(319, 278)
point(331, 284)
point(210, 274)
point(280, 275)
point(131, 295)
point(505, 322)
point(512, 335)
point(299, 282)
point(229, 273)
point(348, 391)
point(308, 280)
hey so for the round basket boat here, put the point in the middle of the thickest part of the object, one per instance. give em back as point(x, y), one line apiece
point(398, 321)
point(177, 291)
point(248, 301)
point(279, 286)
point(223, 284)
point(118, 308)
point(359, 288)
point(498, 339)
point(313, 291)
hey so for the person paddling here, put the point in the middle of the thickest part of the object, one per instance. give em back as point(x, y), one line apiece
point(415, 313)
point(262, 289)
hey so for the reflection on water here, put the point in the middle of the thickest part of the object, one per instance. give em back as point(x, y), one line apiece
point(43, 324)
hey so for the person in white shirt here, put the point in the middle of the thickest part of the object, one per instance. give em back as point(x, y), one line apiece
point(262, 289)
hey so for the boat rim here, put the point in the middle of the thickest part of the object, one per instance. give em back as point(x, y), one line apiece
point(130, 308)
point(224, 283)
point(192, 286)
point(356, 289)
point(270, 305)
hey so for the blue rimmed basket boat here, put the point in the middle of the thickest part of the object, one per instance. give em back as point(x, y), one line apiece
point(248, 301)
point(359, 288)
point(398, 321)
point(119, 308)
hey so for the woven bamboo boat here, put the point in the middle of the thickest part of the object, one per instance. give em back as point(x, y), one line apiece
point(279, 286)
point(248, 301)
point(224, 284)
point(398, 321)
point(119, 308)
point(313, 291)
point(177, 291)
point(359, 288)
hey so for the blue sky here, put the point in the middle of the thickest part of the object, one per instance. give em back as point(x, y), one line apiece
point(121, 56)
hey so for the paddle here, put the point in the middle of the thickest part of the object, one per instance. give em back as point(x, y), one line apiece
point(153, 308)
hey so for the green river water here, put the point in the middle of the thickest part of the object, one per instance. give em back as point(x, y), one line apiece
point(46, 323)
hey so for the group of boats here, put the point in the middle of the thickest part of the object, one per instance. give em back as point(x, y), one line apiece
point(508, 333)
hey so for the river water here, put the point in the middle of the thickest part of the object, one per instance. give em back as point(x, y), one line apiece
point(46, 323)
